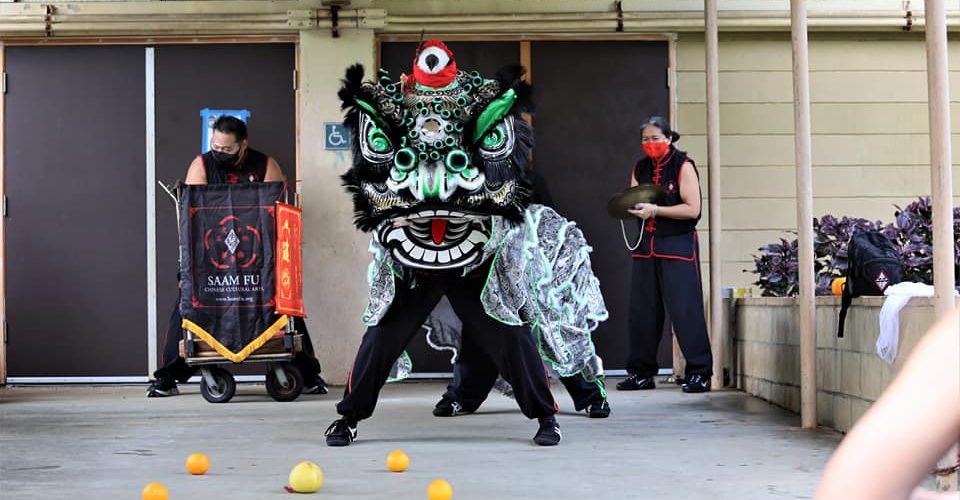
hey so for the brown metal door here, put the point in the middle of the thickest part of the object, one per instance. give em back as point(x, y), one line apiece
point(76, 237)
point(590, 96)
point(189, 78)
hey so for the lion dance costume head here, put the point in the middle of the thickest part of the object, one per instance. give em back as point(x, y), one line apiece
point(435, 155)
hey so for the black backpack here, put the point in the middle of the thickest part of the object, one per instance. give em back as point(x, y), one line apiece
point(873, 264)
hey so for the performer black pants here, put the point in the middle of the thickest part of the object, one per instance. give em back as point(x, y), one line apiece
point(510, 347)
point(668, 285)
point(172, 366)
point(475, 374)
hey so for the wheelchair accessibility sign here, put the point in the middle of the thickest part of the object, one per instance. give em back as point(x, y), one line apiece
point(337, 137)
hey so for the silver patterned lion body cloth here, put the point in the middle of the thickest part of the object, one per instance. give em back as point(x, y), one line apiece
point(540, 276)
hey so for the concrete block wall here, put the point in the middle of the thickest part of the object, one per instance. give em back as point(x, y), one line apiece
point(850, 374)
point(767, 350)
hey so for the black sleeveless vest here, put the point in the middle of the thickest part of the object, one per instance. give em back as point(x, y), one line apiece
point(252, 168)
point(666, 174)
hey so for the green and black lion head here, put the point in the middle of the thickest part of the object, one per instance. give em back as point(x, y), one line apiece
point(435, 155)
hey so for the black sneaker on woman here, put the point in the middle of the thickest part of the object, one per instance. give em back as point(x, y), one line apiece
point(697, 384)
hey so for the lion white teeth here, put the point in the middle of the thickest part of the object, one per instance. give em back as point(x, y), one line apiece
point(477, 238)
point(429, 256)
point(443, 256)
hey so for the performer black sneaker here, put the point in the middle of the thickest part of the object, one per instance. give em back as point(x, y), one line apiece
point(697, 384)
point(341, 432)
point(549, 432)
point(163, 387)
point(448, 407)
point(635, 383)
point(600, 409)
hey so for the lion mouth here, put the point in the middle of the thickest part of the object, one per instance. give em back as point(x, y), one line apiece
point(436, 239)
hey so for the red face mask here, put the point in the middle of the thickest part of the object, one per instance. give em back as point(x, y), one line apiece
point(656, 150)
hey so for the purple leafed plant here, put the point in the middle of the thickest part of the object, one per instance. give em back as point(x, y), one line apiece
point(912, 233)
point(777, 265)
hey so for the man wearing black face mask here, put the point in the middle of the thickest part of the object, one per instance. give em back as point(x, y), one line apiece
point(229, 161)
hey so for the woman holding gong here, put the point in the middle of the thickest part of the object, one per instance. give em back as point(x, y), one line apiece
point(666, 268)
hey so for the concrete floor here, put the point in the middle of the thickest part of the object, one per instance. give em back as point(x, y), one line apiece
point(108, 442)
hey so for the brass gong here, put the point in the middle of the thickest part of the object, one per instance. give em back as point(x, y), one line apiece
point(624, 200)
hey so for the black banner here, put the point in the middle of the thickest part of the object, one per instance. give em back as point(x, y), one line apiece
point(227, 244)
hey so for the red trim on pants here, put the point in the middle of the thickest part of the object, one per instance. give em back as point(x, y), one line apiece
point(696, 260)
point(350, 376)
point(652, 253)
point(556, 407)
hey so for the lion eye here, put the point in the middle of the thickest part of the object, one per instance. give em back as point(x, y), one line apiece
point(498, 142)
point(375, 145)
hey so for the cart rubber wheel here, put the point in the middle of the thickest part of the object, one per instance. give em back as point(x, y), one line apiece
point(294, 383)
point(223, 391)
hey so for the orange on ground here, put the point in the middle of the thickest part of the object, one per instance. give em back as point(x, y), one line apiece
point(155, 491)
point(398, 461)
point(439, 490)
point(197, 464)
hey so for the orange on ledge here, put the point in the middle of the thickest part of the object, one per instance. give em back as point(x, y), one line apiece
point(398, 461)
point(837, 286)
point(197, 464)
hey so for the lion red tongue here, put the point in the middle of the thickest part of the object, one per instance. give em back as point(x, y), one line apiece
point(439, 228)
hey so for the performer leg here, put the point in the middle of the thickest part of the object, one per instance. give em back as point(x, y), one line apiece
point(515, 354)
point(582, 392)
point(383, 344)
point(474, 375)
point(510, 347)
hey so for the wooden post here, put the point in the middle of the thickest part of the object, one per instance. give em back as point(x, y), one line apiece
point(526, 60)
point(941, 178)
point(713, 191)
point(938, 105)
point(679, 364)
point(802, 151)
